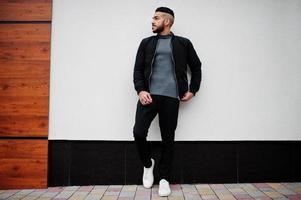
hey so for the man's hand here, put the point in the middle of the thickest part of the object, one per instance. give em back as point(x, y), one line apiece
point(145, 98)
point(187, 96)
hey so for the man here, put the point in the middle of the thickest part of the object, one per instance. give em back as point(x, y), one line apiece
point(160, 79)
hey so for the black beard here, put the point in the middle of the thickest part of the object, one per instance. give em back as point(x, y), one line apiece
point(158, 30)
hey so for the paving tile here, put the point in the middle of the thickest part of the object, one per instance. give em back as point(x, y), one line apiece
point(158, 198)
point(262, 198)
point(130, 188)
point(104, 187)
point(175, 186)
point(142, 192)
point(29, 198)
point(109, 198)
point(192, 197)
point(261, 185)
point(222, 191)
point(71, 188)
point(248, 187)
point(98, 191)
point(190, 190)
point(78, 195)
point(298, 190)
point(44, 198)
point(294, 197)
point(125, 198)
point(113, 190)
point(176, 193)
point(274, 195)
point(209, 197)
point(142, 198)
point(276, 185)
point(34, 195)
point(293, 184)
point(267, 190)
point(42, 190)
point(256, 194)
point(296, 187)
point(20, 194)
point(7, 193)
point(237, 191)
point(107, 193)
point(286, 191)
point(188, 187)
point(242, 196)
point(217, 186)
point(85, 188)
point(226, 197)
point(154, 191)
point(49, 195)
point(94, 196)
point(65, 194)
point(231, 185)
point(55, 189)
point(205, 186)
point(115, 187)
point(205, 191)
point(127, 194)
point(175, 198)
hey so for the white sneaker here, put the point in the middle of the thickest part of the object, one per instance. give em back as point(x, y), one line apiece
point(148, 176)
point(164, 189)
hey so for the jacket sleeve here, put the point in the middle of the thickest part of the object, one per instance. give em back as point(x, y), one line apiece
point(138, 75)
point(195, 65)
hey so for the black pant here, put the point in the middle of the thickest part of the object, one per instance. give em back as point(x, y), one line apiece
point(167, 109)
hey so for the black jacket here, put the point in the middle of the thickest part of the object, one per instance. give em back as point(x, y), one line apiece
point(183, 54)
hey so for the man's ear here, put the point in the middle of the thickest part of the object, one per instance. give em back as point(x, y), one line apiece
point(166, 22)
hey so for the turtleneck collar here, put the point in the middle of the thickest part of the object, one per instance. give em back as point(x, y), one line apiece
point(165, 36)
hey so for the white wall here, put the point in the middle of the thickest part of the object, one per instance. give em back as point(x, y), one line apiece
point(251, 55)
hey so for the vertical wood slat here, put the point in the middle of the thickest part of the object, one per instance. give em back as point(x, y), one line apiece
point(26, 10)
point(23, 163)
point(24, 92)
point(24, 79)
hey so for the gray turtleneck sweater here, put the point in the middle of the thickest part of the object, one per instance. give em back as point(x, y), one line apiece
point(163, 80)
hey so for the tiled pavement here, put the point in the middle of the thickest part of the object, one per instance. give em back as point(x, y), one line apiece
point(242, 191)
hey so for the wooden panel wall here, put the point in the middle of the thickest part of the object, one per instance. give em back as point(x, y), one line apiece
point(25, 10)
point(25, 30)
point(23, 163)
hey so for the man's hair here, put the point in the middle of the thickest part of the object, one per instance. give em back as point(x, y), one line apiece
point(169, 11)
point(166, 10)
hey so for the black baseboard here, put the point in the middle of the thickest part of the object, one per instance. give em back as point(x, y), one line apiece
point(117, 162)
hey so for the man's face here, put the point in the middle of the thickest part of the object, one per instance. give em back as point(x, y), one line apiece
point(157, 22)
